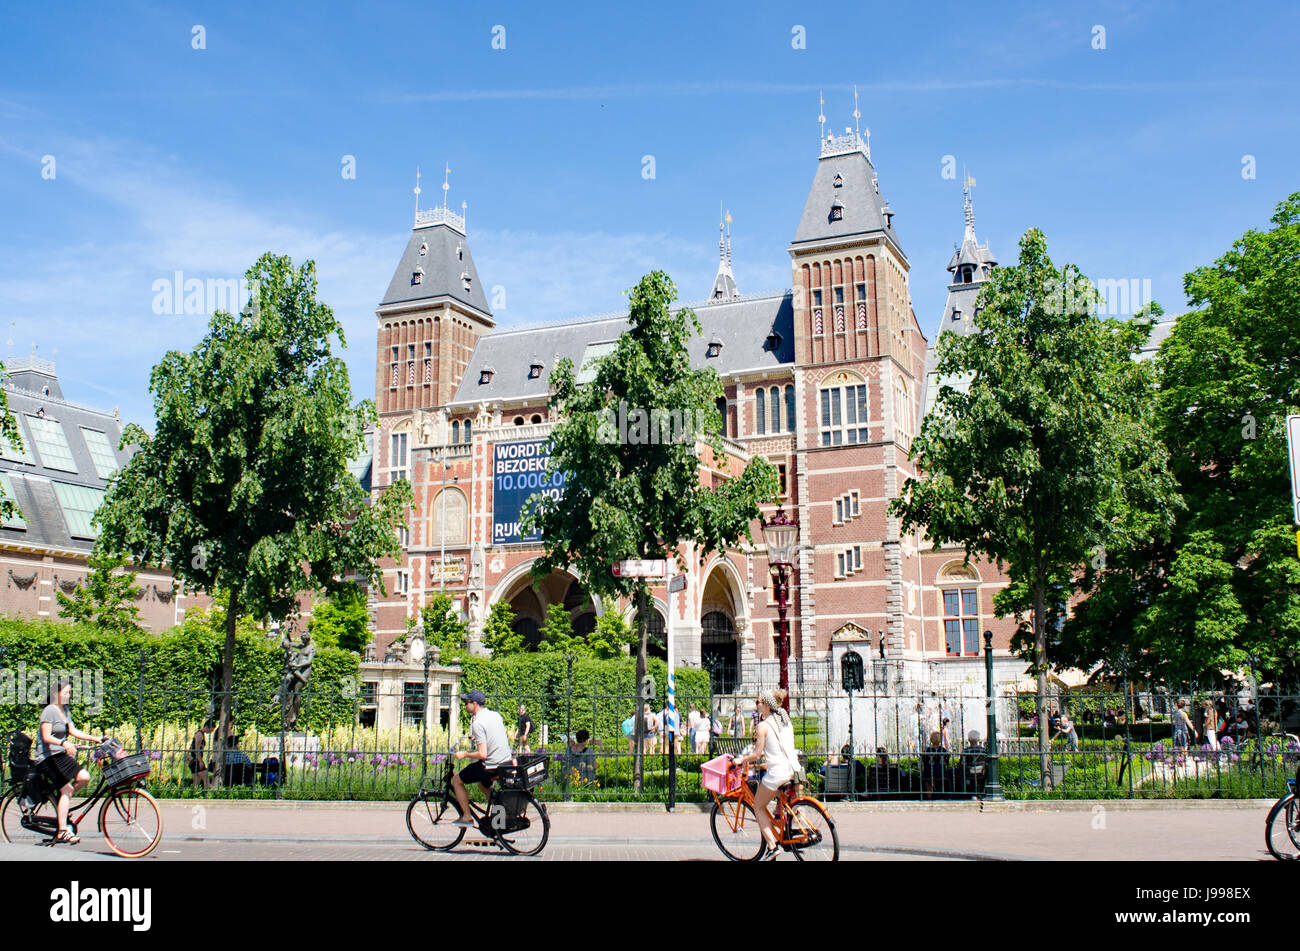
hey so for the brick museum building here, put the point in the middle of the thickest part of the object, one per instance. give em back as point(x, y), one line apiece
point(828, 381)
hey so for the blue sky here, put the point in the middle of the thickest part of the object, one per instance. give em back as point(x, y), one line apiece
point(170, 158)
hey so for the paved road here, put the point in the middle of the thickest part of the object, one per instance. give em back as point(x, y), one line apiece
point(353, 831)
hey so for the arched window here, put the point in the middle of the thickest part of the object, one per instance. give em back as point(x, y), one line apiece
point(721, 404)
point(528, 629)
point(789, 408)
point(844, 409)
point(455, 430)
point(760, 411)
point(457, 518)
point(467, 433)
point(776, 409)
point(536, 419)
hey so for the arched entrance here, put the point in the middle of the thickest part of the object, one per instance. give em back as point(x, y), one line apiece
point(719, 641)
point(530, 602)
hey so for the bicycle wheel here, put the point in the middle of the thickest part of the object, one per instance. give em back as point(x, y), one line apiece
point(735, 829)
point(430, 820)
point(530, 839)
point(130, 822)
point(11, 816)
point(1281, 834)
point(811, 832)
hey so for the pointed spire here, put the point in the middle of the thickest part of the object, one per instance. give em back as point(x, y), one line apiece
point(821, 114)
point(417, 191)
point(968, 182)
point(724, 285)
point(856, 114)
point(464, 216)
point(446, 184)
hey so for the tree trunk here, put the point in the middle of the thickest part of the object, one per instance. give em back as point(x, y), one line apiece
point(638, 718)
point(1040, 664)
point(225, 725)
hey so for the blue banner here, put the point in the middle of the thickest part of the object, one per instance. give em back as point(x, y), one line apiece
point(518, 473)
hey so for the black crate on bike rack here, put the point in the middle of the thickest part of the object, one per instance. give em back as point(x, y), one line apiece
point(20, 759)
point(531, 771)
point(135, 766)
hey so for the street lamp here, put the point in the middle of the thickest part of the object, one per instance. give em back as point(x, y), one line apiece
point(780, 535)
point(992, 785)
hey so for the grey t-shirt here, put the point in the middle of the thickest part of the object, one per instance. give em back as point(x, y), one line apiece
point(488, 727)
point(59, 721)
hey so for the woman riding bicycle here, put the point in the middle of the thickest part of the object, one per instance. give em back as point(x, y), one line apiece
point(774, 742)
point(55, 755)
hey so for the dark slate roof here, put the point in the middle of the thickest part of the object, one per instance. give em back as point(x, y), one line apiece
point(442, 269)
point(742, 325)
point(33, 482)
point(863, 206)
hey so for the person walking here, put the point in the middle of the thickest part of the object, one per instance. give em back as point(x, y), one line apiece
point(773, 743)
point(1210, 725)
point(702, 727)
point(198, 761)
point(524, 730)
point(1184, 732)
point(651, 739)
point(1065, 728)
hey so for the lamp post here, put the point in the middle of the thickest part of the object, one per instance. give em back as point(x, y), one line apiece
point(780, 535)
point(420, 654)
point(992, 786)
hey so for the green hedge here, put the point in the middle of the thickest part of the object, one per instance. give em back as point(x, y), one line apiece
point(603, 691)
point(179, 679)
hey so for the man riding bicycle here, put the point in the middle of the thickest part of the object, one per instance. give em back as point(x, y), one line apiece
point(491, 751)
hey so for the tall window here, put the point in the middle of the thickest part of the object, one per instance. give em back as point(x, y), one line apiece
point(455, 430)
point(789, 407)
point(776, 409)
point(397, 458)
point(961, 621)
point(101, 452)
point(51, 443)
point(392, 379)
point(721, 405)
point(760, 411)
point(844, 412)
point(467, 432)
point(457, 523)
point(413, 702)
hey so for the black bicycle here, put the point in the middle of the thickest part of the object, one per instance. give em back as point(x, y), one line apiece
point(1282, 828)
point(129, 818)
point(513, 818)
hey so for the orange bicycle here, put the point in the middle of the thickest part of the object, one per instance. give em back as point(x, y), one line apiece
point(803, 826)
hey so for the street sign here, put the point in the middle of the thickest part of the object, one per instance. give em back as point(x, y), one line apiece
point(640, 568)
point(1293, 444)
point(678, 583)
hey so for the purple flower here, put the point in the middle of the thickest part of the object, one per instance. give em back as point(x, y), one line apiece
point(1272, 749)
point(1107, 758)
point(376, 760)
point(1234, 758)
point(156, 756)
point(1227, 741)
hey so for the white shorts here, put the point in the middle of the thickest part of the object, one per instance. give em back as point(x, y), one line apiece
point(775, 781)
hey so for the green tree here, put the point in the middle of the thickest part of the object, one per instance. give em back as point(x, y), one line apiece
point(107, 596)
point(499, 631)
point(611, 638)
point(244, 486)
point(637, 497)
point(342, 620)
point(1223, 590)
point(444, 628)
point(1048, 457)
point(557, 632)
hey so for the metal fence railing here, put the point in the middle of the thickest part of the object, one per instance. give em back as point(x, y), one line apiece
point(925, 744)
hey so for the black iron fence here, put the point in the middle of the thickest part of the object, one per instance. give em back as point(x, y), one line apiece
point(928, 744)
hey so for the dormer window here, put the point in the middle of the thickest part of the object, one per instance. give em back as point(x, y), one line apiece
point(485, 375)
point(460, 253)
point(465, 280)
point(534, 370)
point(417, 276)
point(773, 341)
point(837, 211)
point(424, 249)
point(956, 313)
point(715, 348)
point(839, 181)
point(966, 274)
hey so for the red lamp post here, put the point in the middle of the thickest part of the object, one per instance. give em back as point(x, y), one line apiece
point(780, 536)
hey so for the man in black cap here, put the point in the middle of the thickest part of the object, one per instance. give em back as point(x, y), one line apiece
point(487, 731)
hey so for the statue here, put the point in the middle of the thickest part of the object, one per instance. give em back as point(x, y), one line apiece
point(476, 566)
point(297, 673)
